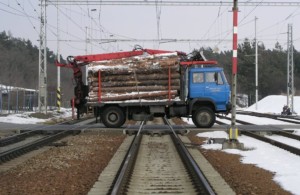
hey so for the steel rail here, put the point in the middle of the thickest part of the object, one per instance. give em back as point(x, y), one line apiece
point(170, 3)
point(16, 138)
point(200, 181)
point(128, 164)
point(286, 134)
point(20, 137)
point(281, 145)
point(15, 152)
point(289, 148)
point(18, 151)
point(272, 116)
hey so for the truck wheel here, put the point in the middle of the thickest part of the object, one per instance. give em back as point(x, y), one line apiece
point(113, 117)
point(204, 117)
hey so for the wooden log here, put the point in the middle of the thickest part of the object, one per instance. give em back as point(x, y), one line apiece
point(130, 71)
point(155, 76)
point(134, 89)
point(131, 96)
point(174, 82)
point(138, 61)
point(158, 98)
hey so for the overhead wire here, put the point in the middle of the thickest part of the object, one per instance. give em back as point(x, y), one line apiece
point(228, 32)
point(73, 21)
point(13, 13)
point(33, 7)
point(223, 34)
point(27, 16)
point(210, 27)
point(214, 22)
point(103, 31)
point(158, 9)
point(23, 13)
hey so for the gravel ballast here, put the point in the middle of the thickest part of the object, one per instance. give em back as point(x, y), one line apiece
point(73, 169)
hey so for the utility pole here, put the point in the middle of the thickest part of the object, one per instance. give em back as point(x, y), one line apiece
point(58, 91)
point(86, 46)
point(42, 101)
point(290, 69)
point(233, 130)
point(233, 142)
point(256, 68)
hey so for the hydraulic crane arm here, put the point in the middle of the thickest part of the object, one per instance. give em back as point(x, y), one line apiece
point(78, 61)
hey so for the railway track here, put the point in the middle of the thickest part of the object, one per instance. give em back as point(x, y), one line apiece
point(158, 145)
point(269, 140)
point(289, 119)
point(157, 163)
point(16, 145)
point(41, 129)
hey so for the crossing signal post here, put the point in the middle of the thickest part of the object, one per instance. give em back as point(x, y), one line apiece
point(58, 90)
point(233, 142)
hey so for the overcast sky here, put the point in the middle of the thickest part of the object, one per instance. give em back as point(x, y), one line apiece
point(210, 25)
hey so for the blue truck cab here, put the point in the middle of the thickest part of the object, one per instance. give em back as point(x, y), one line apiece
point(207, 93)
point(209, 83)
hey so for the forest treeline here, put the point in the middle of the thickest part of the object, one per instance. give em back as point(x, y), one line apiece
point(19, 62)
point(272, 69)
point(19, 67)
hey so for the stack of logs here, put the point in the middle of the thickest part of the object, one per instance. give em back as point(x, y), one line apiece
point(152, 77)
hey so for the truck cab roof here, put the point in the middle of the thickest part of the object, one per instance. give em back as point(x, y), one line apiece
point(206, 69)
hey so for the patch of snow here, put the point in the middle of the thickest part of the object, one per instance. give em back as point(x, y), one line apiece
point(282, 163)
point(25, 118)
point(273, 104)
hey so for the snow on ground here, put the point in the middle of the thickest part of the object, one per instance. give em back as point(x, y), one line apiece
point(25, 118)
point(22, 118)
point(273, 104)
point(284, 164)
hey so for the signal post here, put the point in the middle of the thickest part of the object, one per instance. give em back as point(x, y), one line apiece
point(232, 142)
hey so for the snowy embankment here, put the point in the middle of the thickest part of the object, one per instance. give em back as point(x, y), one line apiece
point(283, 164)
point(27, 118)
point(273, 104)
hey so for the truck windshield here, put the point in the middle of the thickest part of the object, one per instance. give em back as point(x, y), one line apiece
point(214, 77)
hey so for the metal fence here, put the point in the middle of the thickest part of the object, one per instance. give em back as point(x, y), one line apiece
point(16, 100)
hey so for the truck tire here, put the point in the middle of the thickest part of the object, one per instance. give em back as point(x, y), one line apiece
point(113, 117)
point(204, 117)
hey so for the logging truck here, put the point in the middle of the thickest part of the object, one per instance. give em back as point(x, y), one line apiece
point(144, 83)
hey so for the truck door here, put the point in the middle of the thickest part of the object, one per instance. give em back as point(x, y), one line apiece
point(196, 84)
point(216, 88)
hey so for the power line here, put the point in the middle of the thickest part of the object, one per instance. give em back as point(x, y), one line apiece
point(33, 7)
point(72, 20)
point(174, 3)
point(27, 16)
point(13, 13)
point(104, 41)
point(218, 17)
point(21, 13)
